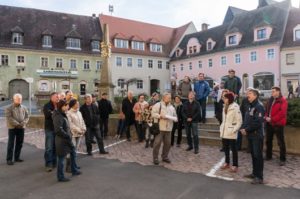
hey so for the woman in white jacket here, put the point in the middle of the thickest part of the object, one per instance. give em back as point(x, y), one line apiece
point(232, 121)
point(76, 121)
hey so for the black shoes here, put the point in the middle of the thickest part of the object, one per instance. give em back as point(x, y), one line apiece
point(189, 149)
point(9, 162)
point(196, 151)
point(19, 160)
point(251, 176)
point(281, 163)
point(89, 153)
point(77, 173)
point(49, 169)
point(167, 161)
point(128, 140)
point(156, 162)
point(257, 181)
point(64, 180)
point(103, 152)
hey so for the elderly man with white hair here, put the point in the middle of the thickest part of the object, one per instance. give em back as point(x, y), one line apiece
point(16, 118)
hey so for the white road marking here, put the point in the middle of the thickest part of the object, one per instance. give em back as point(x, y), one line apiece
point(215, 168)
point(29, 133)
point(96, 150)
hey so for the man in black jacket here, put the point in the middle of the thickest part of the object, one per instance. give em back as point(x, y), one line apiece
point(105, 109)
point(50, 154)
point(191, 114)
point(90, 114)
point(127, 109)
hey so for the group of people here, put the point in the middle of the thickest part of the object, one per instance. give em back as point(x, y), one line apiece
point(156, 122)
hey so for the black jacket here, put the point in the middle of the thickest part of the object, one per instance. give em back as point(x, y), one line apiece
point(179, 113)
point(48, 110)
point(90, 120)
point(244, 106)
point(127, 109)
point(194, 112)
point(105, 108)
point(63, 136)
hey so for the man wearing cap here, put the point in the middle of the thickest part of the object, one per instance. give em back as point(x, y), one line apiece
point(253, 128)
point(233, 83)
point(276, 113)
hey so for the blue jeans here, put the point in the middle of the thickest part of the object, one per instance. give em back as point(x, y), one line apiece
point(60, 165)
point(256, 148)
point(50, 154)
point(192, 129)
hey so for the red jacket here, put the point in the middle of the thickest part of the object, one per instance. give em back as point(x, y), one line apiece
point(278, 111)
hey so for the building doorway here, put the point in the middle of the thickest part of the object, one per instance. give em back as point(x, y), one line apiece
point(19, 86)
point(154, 86)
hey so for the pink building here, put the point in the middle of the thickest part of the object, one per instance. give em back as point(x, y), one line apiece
point(247, 41)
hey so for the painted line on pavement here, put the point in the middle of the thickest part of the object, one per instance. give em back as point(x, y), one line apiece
point(29, 133)
point(215, 168)
point(96, 150)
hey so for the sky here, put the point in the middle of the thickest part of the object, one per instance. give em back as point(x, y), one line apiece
point(171, 13)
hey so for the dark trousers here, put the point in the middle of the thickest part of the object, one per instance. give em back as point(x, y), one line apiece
point(230, 144)
point(279, 131)
point(202, 103)
point(239, 141)
point(176, 126)
point(90, 133)
point(127, 127)
point(192, 130)
point(60, 165)
point(141, 128)
point(103, 127)
point(50, 154)
point(256, 149)
point(15, 141)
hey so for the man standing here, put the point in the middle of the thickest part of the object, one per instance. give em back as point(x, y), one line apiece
point(69, 96)
point(138, 110)
point(233, 84)
point(90, 114)
point(105, 108)
point(253, 128)
point(201, 88)
point(16, 118)
point(184, 88)
point(190, 115)
point(275, 116)
point(50, 154)
point(164, 114)
point(127, 109)
point(154, 99)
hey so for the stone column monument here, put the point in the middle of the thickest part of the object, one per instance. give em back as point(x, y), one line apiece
point(106, 85)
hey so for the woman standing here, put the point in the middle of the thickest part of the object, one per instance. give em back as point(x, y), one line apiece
point(63, 141)
point(76, 121)
point(179, 124)
point(232, 121)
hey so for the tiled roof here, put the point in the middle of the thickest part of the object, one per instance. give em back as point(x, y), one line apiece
point(34, 23)
point(231, 13)
point(130, 29)
point(293, 21)
point(275, 14)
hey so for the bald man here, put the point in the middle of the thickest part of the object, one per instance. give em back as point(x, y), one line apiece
point(16, 118)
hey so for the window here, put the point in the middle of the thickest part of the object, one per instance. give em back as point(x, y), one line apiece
point(150, 63)
point(191, 66)
point(237, 58)
point(174, 68)
point(210, 62)
point(297, 35)
point(137, 45)
point(262, 33)
point(98, 65)
point(96, 46)
point(263, 81)
point(73, 43)
point(177, 53)
point(209, 45)
point(191, 50)
point(20, 59)
point(59, 62)
point(168, 65)
point(121, 83)
point(139, 84)
point(223, 60)
point(159, 64)
point(129, 62)
point(232, 40)
point(86, 65)
point(253, 56)
point(200, 64)
point(17, 38)
point(181, 67)
point(4, 60)
point(73, 64)
point(194, 49)
point(47, 41)
point(83, 88)
point(290, 59)
point(44, 62)
point(121, 43)
point(156, 48)
point(271, 54)
point(140, 63)
point(119, 61)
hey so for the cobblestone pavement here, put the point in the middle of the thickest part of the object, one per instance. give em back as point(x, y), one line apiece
point(188, 162)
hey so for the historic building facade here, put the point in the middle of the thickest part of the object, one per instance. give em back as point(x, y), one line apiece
point(57, 51)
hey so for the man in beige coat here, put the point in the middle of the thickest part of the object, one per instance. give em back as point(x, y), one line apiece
point(165, 114)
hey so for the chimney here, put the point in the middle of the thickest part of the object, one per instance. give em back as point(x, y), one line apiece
point(94, 15)
point(262, 3)
point(204, 26)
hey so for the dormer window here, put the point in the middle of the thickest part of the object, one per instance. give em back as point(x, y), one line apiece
point(232, 40)
point(155, 48)
point(193, 46)
point(233, 37)
point(210, 44)
point(178, 52)
point(17, 38)
point(73, 43)
point(47, 41)
point(297, 33)
point(261, 33)
point(138, 45)
point(121, 43)
point(95, 46)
